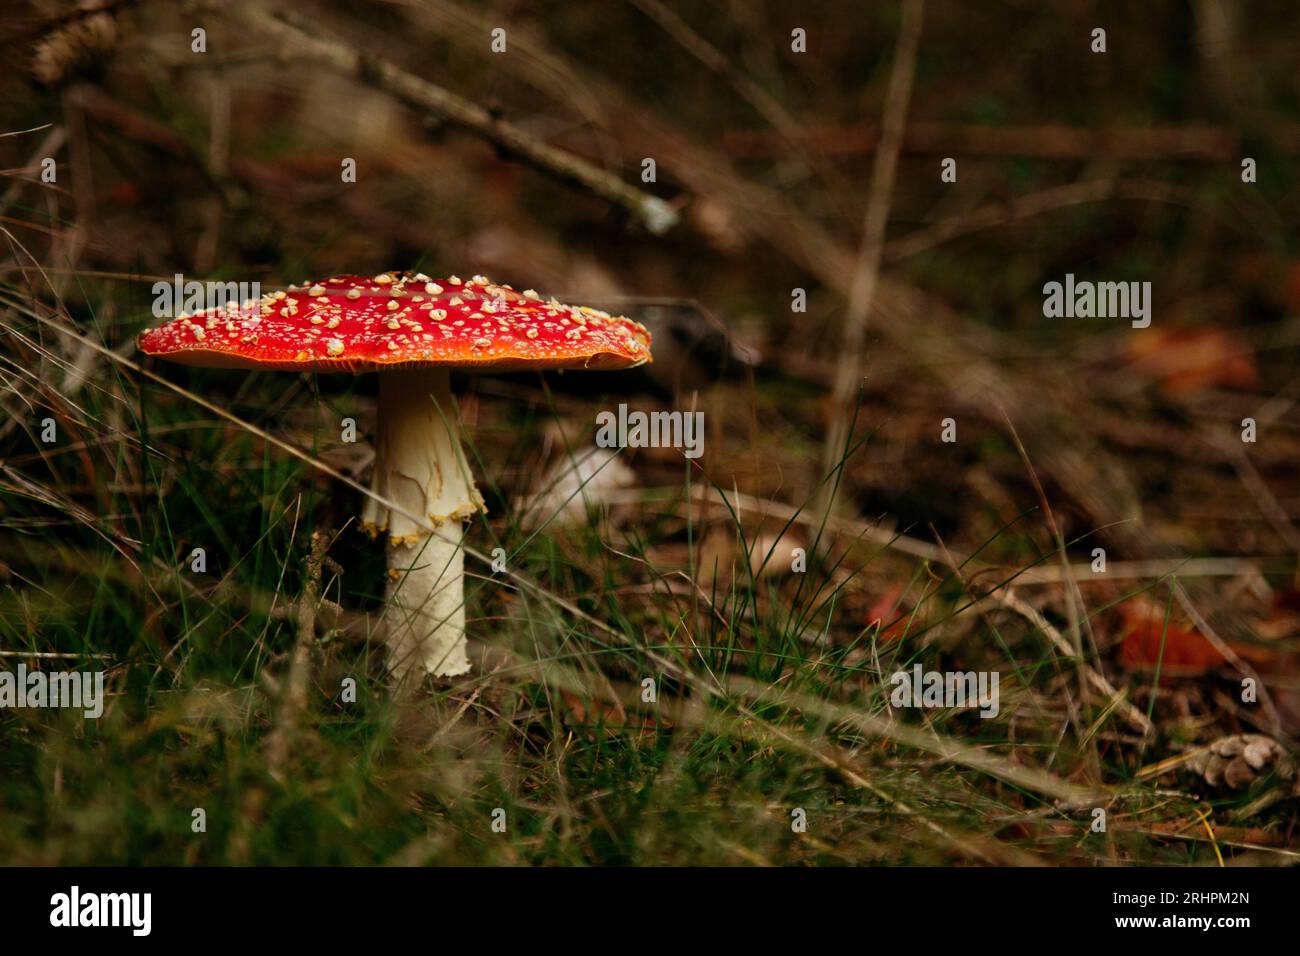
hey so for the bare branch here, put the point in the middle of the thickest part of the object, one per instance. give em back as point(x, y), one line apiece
point(300, 37)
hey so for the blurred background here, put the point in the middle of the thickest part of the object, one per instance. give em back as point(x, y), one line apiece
point(762, 185)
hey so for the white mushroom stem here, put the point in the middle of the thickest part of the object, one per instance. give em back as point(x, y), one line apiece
point(420, 467)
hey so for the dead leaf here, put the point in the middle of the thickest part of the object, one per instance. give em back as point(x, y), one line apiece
point(1186, 361)
point(888, 613)
point(590, 714)
point(1187, 652)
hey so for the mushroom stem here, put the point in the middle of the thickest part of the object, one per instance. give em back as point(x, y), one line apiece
point(419, 466)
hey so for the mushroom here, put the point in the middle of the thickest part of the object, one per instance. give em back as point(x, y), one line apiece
point(411, 330)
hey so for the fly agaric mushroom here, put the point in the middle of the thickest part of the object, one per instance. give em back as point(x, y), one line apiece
point(411, 330)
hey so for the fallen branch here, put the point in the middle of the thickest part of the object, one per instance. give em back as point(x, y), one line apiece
point(300, 37)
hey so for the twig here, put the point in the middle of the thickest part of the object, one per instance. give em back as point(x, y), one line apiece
point(1135, 718)
point(947, 748)
point(51, 143)
point(1036, 204)
point(1269, 506)
point(862, 294)
point(1134, 570)
point(293, 699)
point(905, 544)
point(53, 655)
point(297, 33)
point(1208, 144)
point(1222, 646)
point(763, 103)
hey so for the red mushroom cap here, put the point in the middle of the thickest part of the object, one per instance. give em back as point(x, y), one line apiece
point(400, 320)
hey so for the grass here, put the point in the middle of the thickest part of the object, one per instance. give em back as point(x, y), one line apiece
point(771, 688)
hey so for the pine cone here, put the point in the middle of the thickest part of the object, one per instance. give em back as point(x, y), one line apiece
point(1237, 761)
point(78, 42)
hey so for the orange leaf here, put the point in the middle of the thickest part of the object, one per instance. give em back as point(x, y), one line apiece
point(592, 713)
point(888, 614)
point(1186, 653)
point(1188, 360)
